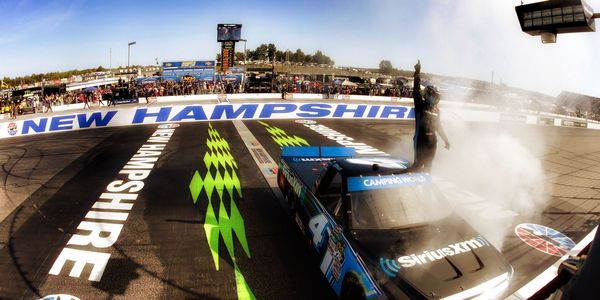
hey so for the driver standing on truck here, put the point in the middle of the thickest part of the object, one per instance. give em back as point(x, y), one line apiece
point(427, 124)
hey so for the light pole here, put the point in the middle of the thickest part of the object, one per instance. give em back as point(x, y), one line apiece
point(129, 53)
point(244, 40)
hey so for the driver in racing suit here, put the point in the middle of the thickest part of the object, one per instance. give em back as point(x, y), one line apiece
point(427, 124)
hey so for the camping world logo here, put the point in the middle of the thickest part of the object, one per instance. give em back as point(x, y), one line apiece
point(544, 239)
point(12, 128)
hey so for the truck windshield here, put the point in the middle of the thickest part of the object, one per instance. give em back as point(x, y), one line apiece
point(400, 207)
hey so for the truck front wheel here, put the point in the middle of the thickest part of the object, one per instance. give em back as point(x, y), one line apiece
point(352, 289)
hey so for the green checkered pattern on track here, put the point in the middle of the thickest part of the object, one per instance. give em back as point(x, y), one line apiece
point(221, 177)
point(282, 138)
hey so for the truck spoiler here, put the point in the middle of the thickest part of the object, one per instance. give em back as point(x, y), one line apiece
point(321, 151)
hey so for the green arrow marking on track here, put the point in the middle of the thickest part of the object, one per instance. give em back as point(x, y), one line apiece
point(282, 138)
point(221, 176)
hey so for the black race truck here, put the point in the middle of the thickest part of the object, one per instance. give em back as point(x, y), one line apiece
point(381, 233)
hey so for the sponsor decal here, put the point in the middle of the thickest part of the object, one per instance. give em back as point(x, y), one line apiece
point(385, 182)
point(569, 123)
point(309, 122)
point(282, 138)
point(392, 267)
point(59, 297)
point(126, 101)
point(12, 128)
point(333, 259)
point(314, 159)
point(168, 126)
point(544, 239)
point(545, 121)
point(389, 266)
point(299, 223)
point(269, 171)
point(513, 118)
point(222, 187)
point(102, 225)
point(361, 148)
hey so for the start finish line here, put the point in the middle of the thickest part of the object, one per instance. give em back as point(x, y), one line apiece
point(203, 112)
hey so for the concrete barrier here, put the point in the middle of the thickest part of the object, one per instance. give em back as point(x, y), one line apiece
point(66, 107)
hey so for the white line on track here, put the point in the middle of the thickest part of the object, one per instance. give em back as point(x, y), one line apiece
point(266, 164)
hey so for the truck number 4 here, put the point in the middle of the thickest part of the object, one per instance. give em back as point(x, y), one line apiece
point(317, 226)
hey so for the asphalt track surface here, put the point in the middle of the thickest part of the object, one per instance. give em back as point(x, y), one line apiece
point(51, 181)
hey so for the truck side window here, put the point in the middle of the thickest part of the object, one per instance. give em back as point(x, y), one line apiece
point(330, 192)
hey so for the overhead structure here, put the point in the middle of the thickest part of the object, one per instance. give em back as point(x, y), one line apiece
point(228, 35)
point(550, 18)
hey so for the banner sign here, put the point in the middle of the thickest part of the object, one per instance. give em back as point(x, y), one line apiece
point(230, 77)
point(545, 121)
point(199, 64)
point(569, 123)
point(513, 118)
point(126, 101)
point(198, 74)
point(202, 112)
point(200, 70)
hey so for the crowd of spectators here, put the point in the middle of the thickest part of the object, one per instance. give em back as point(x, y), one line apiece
point(173, 88)
point(104, 95)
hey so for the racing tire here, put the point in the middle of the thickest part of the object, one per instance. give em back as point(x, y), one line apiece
point(352, 289)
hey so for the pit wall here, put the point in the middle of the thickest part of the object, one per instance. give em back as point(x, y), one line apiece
point(175, 109)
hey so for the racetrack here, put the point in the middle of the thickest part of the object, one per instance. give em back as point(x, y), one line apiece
point(164, 249)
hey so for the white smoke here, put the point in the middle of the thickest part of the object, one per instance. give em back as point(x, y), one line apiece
point(494, 164)
point(498, 163)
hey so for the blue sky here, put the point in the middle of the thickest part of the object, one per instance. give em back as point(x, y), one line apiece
point(467, 38)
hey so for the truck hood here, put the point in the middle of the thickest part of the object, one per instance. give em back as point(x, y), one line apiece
point(444, 259)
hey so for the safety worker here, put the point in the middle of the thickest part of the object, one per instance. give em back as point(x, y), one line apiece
point(427, 124)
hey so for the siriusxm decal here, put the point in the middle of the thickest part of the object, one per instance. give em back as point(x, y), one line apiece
point(385, 182)
point(392, 267)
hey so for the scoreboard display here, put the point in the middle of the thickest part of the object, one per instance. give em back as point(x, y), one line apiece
point(229, 32)
point(227, 55)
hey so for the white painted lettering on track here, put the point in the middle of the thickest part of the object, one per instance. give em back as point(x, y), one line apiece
point(99, 231)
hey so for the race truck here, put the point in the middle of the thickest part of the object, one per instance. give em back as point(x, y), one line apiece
point(377, 232)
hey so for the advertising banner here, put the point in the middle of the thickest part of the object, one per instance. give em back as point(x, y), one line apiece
point(201, 112)
point(569, 123)
point(201, 70)
point(513, 118)
point(126, 101)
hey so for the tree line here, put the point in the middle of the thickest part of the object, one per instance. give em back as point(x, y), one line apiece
point(51, 76)
point(269, 52)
